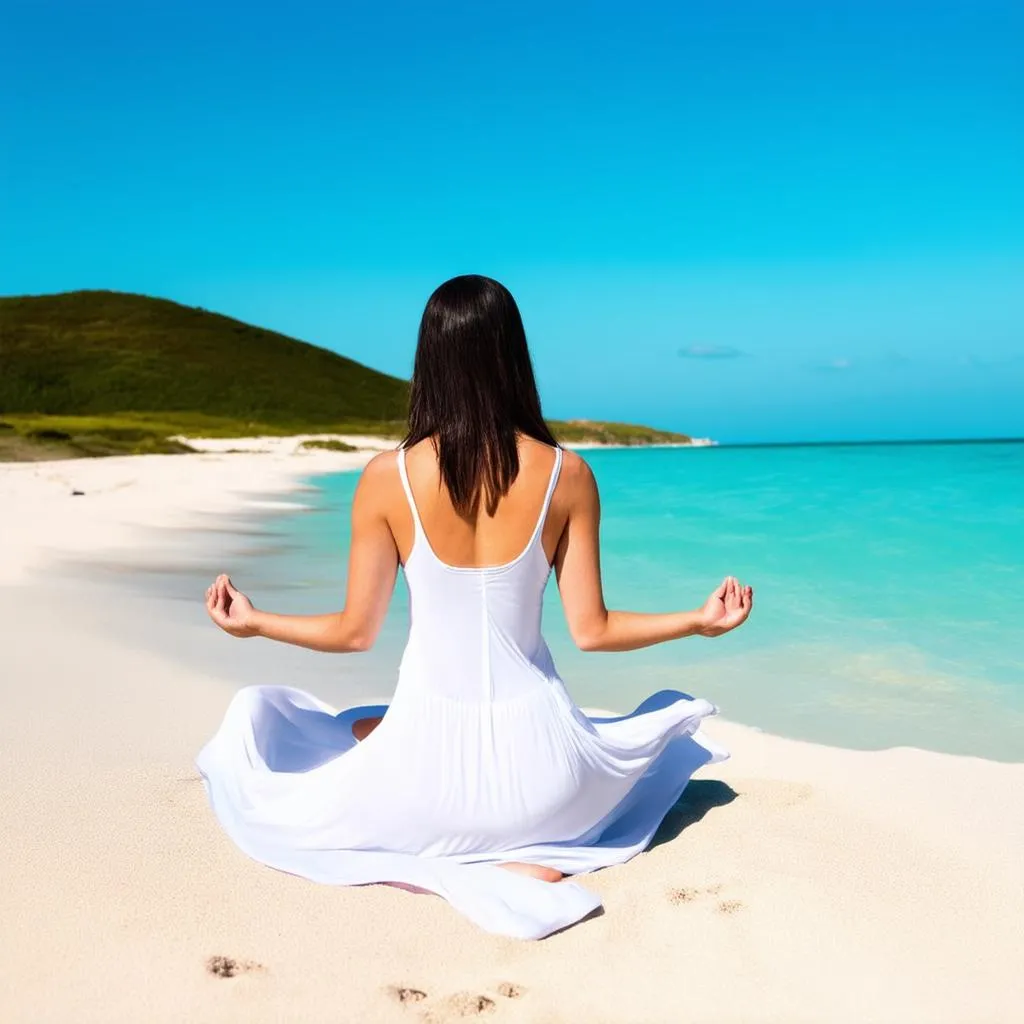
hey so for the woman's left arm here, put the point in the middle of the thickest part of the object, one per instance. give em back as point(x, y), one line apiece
point(372, 567)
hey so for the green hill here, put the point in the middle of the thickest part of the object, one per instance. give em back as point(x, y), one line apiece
point(94, 353)
point(99, 372)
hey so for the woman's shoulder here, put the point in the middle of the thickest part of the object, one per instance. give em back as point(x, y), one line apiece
point(577, 487)
point(536, 455)
point(380, 474)
point(382, 463)
point(575, 468)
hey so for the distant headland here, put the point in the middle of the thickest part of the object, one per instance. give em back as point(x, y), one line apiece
point(91, 373)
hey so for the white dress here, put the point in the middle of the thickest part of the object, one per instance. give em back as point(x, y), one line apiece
point(482, 758)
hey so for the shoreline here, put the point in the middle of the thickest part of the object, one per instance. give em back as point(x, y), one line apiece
point(798, 882)
point(122, 495)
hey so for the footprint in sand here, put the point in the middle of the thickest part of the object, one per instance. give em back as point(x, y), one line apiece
point(229, 967)
point(460, 1005)
point(405, 995)
point(729, 906)
point(677, 897)
point(467, 1004)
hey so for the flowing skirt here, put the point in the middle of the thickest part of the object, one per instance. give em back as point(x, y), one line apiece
point(442, 791)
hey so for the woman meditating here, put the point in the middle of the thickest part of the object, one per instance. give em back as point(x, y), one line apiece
point(481, 781)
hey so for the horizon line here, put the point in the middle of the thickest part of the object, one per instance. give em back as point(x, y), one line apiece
point(865, 443)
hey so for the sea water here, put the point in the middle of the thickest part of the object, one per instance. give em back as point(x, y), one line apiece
point(888, 579)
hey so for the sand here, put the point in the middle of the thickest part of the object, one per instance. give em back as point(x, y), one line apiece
point(123, 498)
point(794, 883)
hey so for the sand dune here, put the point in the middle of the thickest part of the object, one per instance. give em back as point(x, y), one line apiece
point(794, 883)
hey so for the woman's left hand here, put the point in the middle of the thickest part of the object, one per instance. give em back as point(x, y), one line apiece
point(728, 607)
point(230, 608)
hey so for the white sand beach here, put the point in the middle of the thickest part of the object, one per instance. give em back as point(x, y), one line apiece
point(794, 883)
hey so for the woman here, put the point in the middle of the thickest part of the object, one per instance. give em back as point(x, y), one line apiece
point(482, 781)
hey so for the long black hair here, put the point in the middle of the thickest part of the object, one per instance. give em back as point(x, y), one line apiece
point(473, 389)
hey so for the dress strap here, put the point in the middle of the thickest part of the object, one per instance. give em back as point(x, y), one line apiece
point(408, 492)
point(552, 483)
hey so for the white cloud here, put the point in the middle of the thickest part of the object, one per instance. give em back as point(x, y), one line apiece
point(709, 352)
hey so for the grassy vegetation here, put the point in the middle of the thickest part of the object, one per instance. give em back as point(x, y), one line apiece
point(103, 353)
point(594, 432)
point(74, 366)
point(329, 445)
point(62, 437)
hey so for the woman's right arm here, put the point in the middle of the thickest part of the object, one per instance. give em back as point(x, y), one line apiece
point(578, 570)
point(372, 568)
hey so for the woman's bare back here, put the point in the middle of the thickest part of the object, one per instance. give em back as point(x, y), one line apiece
point(483, 539)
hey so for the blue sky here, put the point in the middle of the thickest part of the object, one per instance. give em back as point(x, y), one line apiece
point(751, 220)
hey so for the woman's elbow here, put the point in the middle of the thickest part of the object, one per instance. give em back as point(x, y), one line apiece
point(588, 640)
point(358, 642)
point(353, 637)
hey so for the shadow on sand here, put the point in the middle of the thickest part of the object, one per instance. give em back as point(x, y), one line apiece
point(699, 797)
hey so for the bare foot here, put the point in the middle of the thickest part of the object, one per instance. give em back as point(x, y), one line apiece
point(534, 871)
point(364, 726)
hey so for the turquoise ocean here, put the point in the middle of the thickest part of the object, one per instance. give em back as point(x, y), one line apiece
point(889, 583)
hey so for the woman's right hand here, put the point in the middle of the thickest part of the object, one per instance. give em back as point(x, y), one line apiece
point(728, 607)
point(230, 608)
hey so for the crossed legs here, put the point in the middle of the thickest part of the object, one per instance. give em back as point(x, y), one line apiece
point(364, 726)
